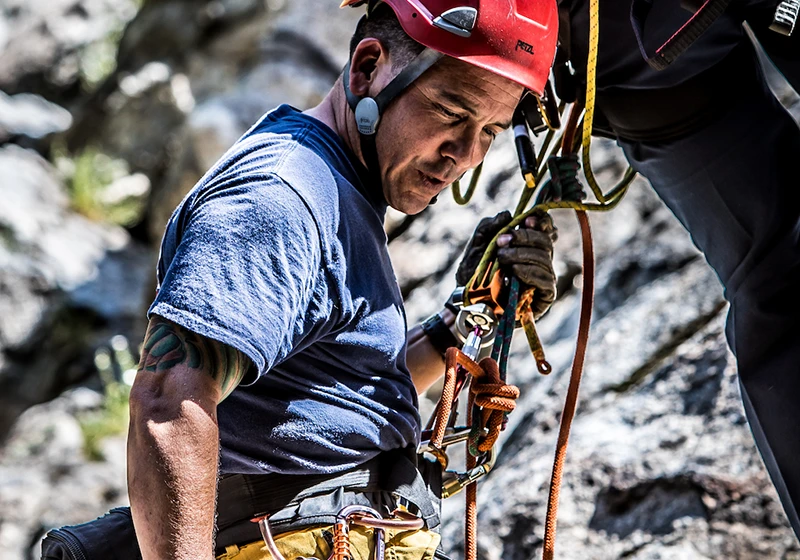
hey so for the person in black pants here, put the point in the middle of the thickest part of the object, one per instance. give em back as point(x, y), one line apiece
point(721, 152)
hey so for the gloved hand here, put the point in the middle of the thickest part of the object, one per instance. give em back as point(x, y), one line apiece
point(484, 233)
point(527, 253)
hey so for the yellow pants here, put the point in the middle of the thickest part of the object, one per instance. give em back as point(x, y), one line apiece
point(400, 545)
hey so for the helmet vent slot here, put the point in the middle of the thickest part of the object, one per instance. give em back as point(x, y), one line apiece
point(459, 21)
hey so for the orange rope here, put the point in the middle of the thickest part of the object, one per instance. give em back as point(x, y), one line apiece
point(571, 402)
point(496, 399)
point(574, 384)
point(471, 511)
point(453, 358)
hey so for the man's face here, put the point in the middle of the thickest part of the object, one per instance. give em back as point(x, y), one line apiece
point(439, 128)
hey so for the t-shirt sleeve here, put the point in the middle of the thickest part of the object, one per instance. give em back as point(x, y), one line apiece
point(244, 269)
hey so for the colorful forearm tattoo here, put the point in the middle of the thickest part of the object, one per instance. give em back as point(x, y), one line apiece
point(167, 345)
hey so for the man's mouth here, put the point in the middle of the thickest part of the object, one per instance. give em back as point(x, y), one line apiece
point(431, 182)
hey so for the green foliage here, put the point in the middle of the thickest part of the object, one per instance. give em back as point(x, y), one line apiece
point(110, 420)
point(89, 175)
point(112, 417)
point(98, 60)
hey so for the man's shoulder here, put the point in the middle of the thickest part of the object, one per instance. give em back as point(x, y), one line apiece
point(294, 148)
point(296, 145)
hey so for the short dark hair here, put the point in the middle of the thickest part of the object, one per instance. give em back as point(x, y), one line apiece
point(381, 23)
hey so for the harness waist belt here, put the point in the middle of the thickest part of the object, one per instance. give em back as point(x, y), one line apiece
point(296, 502)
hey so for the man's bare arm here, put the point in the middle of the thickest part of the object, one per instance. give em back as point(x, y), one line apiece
point(424, 362)
point(173, 442)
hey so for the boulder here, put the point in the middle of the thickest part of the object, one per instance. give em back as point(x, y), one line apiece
point(43, 41)
point(47, 481)
point(66, 285)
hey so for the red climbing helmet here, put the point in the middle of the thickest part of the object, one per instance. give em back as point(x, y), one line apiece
point(513, 38)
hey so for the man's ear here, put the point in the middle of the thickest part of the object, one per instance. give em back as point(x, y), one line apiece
point(368, 56)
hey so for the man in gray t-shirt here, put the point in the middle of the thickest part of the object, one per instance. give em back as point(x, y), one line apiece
point(278, 332)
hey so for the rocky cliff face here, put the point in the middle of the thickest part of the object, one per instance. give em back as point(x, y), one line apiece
point(661, 463)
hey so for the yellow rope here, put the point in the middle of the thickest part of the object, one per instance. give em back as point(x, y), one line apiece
point(605, 202)
point(591, 90)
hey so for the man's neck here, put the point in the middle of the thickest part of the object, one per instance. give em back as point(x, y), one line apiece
point(334, 112)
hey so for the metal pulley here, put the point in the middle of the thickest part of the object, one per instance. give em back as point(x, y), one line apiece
point(476, 325)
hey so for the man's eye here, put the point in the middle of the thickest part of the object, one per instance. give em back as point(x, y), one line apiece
point(489, 132)
point(449, 114)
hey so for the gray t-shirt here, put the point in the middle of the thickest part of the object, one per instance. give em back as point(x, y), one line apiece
point(280, 252)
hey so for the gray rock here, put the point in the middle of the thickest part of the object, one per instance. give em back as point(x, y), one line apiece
point(66, 285)
point(30, 115)
point(42, 42)
point(45, 479)
point(203, 82)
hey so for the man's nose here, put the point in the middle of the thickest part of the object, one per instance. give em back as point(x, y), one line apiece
point(463, 149)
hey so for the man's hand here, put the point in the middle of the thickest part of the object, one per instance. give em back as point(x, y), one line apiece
point(527, 253)
point(484, 233)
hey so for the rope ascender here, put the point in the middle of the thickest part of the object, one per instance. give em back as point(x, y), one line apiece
point(491, 297)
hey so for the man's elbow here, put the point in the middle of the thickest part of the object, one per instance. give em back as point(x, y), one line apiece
point(166, 397)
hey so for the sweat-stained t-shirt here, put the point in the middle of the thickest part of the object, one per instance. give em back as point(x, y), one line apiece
point(279, 251)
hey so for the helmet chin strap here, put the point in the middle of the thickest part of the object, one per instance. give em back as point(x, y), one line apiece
point(368, 110)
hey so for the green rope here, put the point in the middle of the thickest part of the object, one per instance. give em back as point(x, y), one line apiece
point(473, 183)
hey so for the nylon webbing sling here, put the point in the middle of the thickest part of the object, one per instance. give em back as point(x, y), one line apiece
point(682, 39)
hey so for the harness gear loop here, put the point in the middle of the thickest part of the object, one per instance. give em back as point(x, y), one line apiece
point(266, 534)
point(368, 517)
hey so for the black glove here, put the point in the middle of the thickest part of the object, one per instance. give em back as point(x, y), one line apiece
point(527, 253)
point(484, 233)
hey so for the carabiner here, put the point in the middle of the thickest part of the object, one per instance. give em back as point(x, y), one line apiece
point(455, 482)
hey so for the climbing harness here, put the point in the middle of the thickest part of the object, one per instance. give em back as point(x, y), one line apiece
point(350, 515)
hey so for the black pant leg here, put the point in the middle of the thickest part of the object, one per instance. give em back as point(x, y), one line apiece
point(734, 185)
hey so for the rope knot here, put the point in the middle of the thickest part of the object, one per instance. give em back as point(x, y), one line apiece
point(496, 399)
point(563, 183)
